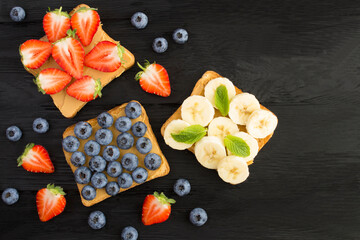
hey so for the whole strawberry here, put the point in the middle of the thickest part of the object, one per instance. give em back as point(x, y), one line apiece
point(50, 202)
point(156, 208)
point(35, 159)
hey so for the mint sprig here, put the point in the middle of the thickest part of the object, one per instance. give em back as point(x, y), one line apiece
point(190, 134)
point(237, 146)
point(222, 100)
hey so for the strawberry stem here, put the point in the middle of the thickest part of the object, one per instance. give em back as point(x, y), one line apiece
point(163, 199)
point(98, 88)
point(55, 189)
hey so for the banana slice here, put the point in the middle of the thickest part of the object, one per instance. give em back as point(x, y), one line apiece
point(211, 87)
point(175, 126)
point(197, 110)
point(221, 127)
point(233, 169)
point(209, 151)
point(251, 142)
point(261, 123)
point(241, 106)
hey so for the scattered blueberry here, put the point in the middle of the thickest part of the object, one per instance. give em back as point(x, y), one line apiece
point(70, 144)
point(97, 164)
point(139, 129)
point(125, 141)
point(198, 216)
point(143, 145)
point(180, 36)
point(125, 180)
point(10, 196)
point(97, 220)
point(182, 187)
point(111, 153)
point(112, 188)
point(114, 169)
point(77, 159)
point(82, 175)
point(92, 148)
point(105, 120)
point(17, 14)
point(152, 161)
point(40, 125)
point(103, 136)
point(13, 133)
point(139, 175)
point(129, 161)
point(99, 180)
point(160, 45)
point(129, 233)
point(133, 110)
point(88, 192)
point(123, 124)
point(139, 20)
point(83, 130)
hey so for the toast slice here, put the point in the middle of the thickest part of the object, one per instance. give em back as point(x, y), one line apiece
point(117, 112)
point(199, 90)
point(68, 105)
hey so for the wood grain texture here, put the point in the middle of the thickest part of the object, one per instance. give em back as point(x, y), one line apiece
point(299, 58)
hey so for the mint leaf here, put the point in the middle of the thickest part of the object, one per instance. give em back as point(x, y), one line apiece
point(222, 100)
point(190, 134)
point(237, 146)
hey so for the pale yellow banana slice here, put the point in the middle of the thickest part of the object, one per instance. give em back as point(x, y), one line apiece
point(233, 169)
point(175, 126)
point(241, 106)
point(221, 127)
point(261, 123)
point(197, 110)
point(209, 151)
point(251, 142)
point(211, 87)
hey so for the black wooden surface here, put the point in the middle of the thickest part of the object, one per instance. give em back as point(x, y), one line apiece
point(300, 58)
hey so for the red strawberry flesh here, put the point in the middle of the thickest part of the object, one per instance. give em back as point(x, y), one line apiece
point(36, 159)
point(52, 80)
point(50, 202)
point(34, 53)
point(86, 22)
point(85, 89)
point(156, 208)
point(55, 24)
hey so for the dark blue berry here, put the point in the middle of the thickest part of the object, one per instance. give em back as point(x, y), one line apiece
point(139, 20)
point(92, 148)
point(83, 130)
point(133, 110)
point(10, 196)
point(97, 220)
point(13, 133)
point(139, 129)
point(112, 188)
point(182, 187)
point(129, 161)
point(160, 45)
point(129, 233)
point(88, 192)
point(105, 120)
point(180, 36)
point(82, 175)
point(17, 14)
point(152, 161)
point(123, 124)
point(78, 159)
point(40, 125)
point(125, 141)
point(125, 180)
point(111, 153)
point(97, 164)
point(70, 144)
point(103, 136)
point(139, 175)
point(114, 169)
point(99, 180)
point(198, 216)
point(143, 145)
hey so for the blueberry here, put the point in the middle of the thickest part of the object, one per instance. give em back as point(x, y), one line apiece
point(40, 125)
point(139, 129)
point(97, 164)
point(112, 188)
point(83, 130)
point(111, 153)
point(160, 45)
point(139, 20)
point(125, 180)
point(103, 136)
point(152, 161)
point(129, 161)
point(99, 180)
point(77, 159)
point(114, 169)
point(13, 133)
point(125, 141)
point(88, 192)
point(92, 148)
point(182, 187)
point(133, 110)
point(97, 220)
point(70, 144)
point(143, 145)
point(17, 14)
point(123, 124)
point(105, 120)
point(10, 196)
point(180, 36)
point(139, 175)
point(198, 216)
point(82, 175)
point(129, 233)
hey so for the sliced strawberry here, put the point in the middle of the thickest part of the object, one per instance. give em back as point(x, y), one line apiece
point(105, 56)
point(85, 89)
point(52, 80)
point(35, 159)
point(56, 23)
point(154, 79)
point(69, 54)
point(156, 208)
point(50, 202)
point(34, 53)
point(86, 22)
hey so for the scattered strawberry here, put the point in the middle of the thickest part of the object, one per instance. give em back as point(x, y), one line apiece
point(56, 23)
point(86, 22)
point(154, 79)
point(69, 54)
point(50, 202)
point(105, 56)
point(34, 53)
point(156, 208)
point(35, 159)
point(85, 89)
point(52, 80)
